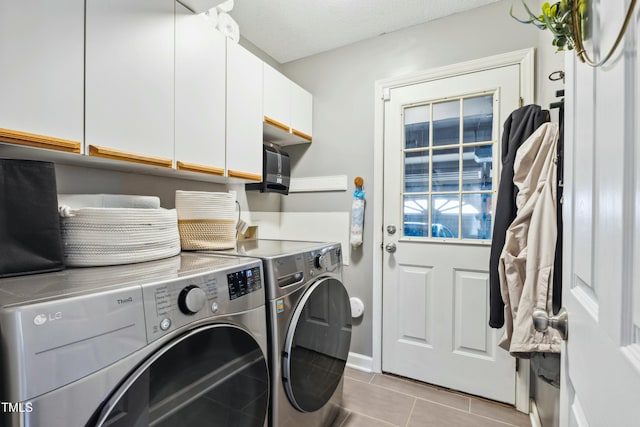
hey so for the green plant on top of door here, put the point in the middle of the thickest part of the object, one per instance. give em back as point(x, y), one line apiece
point(570, 23)
point(556, 18)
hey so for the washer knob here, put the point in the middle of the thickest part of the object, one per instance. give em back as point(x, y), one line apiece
point(322, 261)
point(191, 299)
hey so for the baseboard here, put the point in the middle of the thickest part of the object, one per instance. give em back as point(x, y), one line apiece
point(360, 362)
point(534, 416)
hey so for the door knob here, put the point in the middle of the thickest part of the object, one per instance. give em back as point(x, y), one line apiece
point(391, 248)
point(391, 229)
point(542, 321)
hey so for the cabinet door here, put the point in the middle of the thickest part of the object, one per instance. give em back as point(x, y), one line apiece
point(301, 112)
point(130, 80)
point(244, 113)
point(200, 94)
point(41, 69)
point(277, 102)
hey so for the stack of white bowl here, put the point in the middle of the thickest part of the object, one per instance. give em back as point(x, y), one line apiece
point(206, 220)
point(104, 229)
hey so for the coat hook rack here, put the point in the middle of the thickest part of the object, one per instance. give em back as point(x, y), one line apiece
point(558, 104)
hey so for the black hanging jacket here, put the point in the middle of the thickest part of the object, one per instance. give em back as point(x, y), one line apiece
point(517, 128)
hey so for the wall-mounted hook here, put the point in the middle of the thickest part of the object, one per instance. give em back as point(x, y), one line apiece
point(557, 75)
point(359, 182)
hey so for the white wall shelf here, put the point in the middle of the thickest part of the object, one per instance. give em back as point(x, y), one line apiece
point(318, 184)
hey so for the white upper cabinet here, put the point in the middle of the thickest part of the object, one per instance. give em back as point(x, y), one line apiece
point(244, 113)
point(129, 104)
point(200, 79)
point(301, 112)
point(287, 110)
point(41, 73)
point(277, 94)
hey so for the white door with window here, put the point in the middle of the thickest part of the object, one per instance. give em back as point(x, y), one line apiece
point(441, 163)
point(601, 281)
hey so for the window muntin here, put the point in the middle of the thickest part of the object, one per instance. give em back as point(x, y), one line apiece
point(448, 179)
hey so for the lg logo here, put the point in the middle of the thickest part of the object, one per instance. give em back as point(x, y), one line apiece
point(42, 318)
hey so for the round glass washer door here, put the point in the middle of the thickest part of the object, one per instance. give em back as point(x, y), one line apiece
point(317, 345)
point(215, 375)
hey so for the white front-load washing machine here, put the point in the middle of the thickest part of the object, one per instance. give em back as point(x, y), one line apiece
point(175, 342)
point(309, 328)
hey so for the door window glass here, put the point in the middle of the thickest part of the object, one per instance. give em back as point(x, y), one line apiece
point(449, 179)
point(446, 123)
point(446, 216)
point(213, 376)
point(446, 170)
point(476, 216)
point(478, 119)
point(416, 166)
point(416, 215)
point(417, 121)
point(477, 167)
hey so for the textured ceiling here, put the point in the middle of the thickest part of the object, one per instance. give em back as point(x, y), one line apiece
point(291, 29)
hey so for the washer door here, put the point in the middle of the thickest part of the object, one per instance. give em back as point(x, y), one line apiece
point(317, 345)
point(214, 375)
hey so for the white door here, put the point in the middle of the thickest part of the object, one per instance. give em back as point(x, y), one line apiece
point(601, 282)
point(441, 163)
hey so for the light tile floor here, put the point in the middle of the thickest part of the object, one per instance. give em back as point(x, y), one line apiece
point(380, 400)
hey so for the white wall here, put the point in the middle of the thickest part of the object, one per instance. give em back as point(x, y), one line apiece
point(78, 180)
point(342, 82)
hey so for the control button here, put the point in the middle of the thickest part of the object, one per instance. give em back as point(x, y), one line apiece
point(191, 299)
point(165, 324)
point(322, 261)
point(215, 307)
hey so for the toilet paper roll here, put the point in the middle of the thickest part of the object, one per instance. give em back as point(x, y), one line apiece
point(228, 26)
point(212, 16)
point(225, 6)
point(357, 307)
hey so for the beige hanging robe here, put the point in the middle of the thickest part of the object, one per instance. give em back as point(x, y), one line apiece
point(526, 263)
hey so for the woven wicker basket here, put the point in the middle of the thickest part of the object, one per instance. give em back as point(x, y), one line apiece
point(103, 236)
point(199, 234)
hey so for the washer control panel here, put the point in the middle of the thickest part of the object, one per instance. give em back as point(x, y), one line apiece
point(289, 271)
point(325, 260)
point(173, 304)
point(244, 282)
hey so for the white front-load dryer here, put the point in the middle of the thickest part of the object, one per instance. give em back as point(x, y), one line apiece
point(175, 342)
point(309, 328)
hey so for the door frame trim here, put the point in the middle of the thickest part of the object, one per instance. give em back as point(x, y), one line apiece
point(525, 58)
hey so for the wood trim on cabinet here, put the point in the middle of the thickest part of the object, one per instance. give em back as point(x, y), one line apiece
point(39, 141)
point(109, 153)
point(192, 167)
point(301, 134)
point(277, 124)
point(245, 175)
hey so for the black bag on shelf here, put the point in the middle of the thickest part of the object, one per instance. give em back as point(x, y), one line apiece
point(30, 240)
